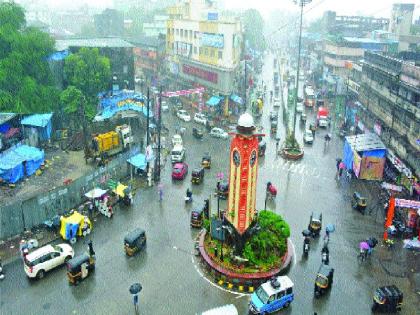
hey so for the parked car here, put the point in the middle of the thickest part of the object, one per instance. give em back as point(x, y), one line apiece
point(299, 107)
point(48, 257)
point(183, 115)
point(179, 171)
point(176, 139)
point(164, 106)
point(200, 118)
point(308, 136)
point(219, 133)
point(277, 102)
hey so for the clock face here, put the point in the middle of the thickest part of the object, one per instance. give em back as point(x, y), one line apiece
point(253, 158)
point(236, 158)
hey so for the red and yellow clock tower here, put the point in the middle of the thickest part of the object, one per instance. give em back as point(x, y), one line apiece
point(243, 174)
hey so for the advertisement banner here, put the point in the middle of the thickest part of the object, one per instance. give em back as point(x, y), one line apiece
point(200, 73)
point(356, 164)
point(404, 203)
point(211, 40)
point(372, 168)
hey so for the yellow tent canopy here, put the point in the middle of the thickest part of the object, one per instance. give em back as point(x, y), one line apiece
point(119, 190)
point(70, 223)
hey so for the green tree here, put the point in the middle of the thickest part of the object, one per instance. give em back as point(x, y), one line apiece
point(254, 29)
point(26, 84)
point(266, 246)
point(88, 73)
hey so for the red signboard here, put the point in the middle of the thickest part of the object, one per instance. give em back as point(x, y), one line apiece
point(200, 73)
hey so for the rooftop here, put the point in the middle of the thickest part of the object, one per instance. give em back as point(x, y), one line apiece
point(365, 142)
point(5, 117)
point(99, 42)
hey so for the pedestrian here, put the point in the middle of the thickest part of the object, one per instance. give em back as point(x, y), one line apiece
point(160, 191)
point(327, 235)
point(341, 167)
point(90, 210)
point(277, 144)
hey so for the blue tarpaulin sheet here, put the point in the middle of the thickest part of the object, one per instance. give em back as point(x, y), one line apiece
point(213, 101)
point(138, 161)
point(42, 122)
point(236, 99)
point(19, 161)
point(122, 101)
point(58, 55)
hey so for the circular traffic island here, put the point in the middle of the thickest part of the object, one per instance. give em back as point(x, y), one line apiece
point(243, 262)
point(291, 149)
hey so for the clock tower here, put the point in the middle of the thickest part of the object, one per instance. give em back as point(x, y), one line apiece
point(243, 174)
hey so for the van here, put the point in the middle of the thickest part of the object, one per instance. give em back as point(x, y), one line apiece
point(177, 153)
point(228, 309)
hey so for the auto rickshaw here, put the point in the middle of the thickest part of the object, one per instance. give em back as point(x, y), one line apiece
point(134, 241)
point(315, 224)
point(197, 175)
point(324, 280)
point(206, 160)
point(197, 218)
point(197, 133)
point(303, 118)
point(273, 128)
point(358, 202)
point(222, 190)
point(262, 146)
point(79, 267)
point(387, 299)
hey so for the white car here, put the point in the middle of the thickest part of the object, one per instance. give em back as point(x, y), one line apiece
point(299, 107)
point(164, 106)
point(176, 139)
point(277, 102)
point(308, 136)
point(183, 115)
point(200, 118)
point(38, 262)
point(219, 133)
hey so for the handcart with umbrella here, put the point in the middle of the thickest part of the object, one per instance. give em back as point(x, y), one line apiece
point(100, 199)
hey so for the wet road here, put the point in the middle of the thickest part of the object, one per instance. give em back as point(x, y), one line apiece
point(167, 270)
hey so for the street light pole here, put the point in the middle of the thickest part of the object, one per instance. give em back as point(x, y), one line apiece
point(302, 4)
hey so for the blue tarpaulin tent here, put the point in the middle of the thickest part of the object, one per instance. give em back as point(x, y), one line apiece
point(213, 101)
point(42, 122)
point(138, 161)
point(365, 155)
point(122, 101)
point(19, 161)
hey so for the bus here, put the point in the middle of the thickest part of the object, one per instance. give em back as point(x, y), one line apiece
point(309, 96)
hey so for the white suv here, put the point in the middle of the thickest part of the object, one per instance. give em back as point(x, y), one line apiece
point(200, 118)
point(183, 115)
point(46, 258)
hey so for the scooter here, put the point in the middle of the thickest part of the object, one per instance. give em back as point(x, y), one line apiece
point(306, 246)
point(188, 198)
point(325, 255)
point(1, 271)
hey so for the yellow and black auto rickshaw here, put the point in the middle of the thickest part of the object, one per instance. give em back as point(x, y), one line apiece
point(315, 224)
point(222, 190)
point(358, 202)
point(134, 241)
point(197, 217)
point(197, 175)
point(79, 267)
point(206, 160)
point(324, 280)
point(387, 299)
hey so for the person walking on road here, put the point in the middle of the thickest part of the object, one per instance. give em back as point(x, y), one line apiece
point(341, 167)
point(160, 192)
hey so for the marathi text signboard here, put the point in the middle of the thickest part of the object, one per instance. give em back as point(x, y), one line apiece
point(200, 73)
point(404, 203)
point(211, 40)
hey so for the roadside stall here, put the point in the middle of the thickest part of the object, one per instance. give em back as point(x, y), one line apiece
point(364, 154)
point(122, 192)
point(101, 201)
point(73, 226)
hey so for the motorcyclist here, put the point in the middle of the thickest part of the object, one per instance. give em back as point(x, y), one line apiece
point(1, 271)
point(306, 244)
point(188, 197)
point(325, 254)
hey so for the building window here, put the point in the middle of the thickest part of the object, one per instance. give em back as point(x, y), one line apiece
point(125, 69)
point(195, 35)
point(206, 51)
point(211, 53)
point(220, 54)
point(177, 31)
point(190, 34)
point(195, 49)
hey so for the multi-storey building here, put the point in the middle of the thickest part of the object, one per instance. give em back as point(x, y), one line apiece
point(201, 47)
point(157, 27)
point(390, 97)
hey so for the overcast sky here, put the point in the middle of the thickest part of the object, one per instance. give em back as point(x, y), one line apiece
point(379, 8)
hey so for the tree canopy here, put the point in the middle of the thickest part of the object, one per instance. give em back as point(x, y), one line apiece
point(253, 24)
point(267, 245)
point(88, 73)
point(26, 84)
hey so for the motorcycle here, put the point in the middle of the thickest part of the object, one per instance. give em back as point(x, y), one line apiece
point(1, 271)
point(306, 245)
point(188, 198)
point(325, 255)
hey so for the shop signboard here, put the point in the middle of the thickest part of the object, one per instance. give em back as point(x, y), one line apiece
point(391, 187)
point(212, 16)
point(200, 73)
point(405, 203)
point(211, 40)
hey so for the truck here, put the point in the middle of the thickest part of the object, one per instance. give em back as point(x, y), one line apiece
point(322, 117)
point(111, 143)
